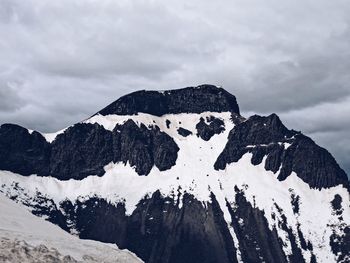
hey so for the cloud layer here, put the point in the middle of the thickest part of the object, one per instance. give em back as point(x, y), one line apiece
point(62, 61)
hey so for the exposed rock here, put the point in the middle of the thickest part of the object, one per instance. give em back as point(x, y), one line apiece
point(184, 132)
point(295, 201)
point(188, 100)
point(210, 127)
point(256, 241)
point(340, 238)
point(296, 256)
point(158, 230)
point(144, 148)
point(265, 136)
point(312, 163)
point(336, 203)
point(84, 149)
point(23, 152)
point(340, 244)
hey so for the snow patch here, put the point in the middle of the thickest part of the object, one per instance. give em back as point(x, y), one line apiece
point(50, 137)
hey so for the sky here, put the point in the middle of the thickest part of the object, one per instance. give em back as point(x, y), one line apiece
point(62, 61)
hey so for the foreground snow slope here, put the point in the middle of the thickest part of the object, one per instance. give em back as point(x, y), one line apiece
point(27, 238)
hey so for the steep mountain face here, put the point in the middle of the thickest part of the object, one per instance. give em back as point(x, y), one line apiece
point(180, 176)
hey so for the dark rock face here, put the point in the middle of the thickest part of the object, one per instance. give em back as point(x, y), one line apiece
point(144, 148)
point(340, 239)
point(158, 230)
point(257, 242)
point(23, 152)
point(340, 245)
point(312, 163)
point(296, 255)
point(207, 129)
point(184, 132)
point(84, 149)
point(188, 100)
point(295, 201)
point(263, 136)
point(337, 204)
point(262, 132)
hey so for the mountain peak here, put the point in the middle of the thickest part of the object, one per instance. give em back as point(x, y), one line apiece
point(186, 100)
point(242, 190)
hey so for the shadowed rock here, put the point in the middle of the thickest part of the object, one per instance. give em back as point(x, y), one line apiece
point(266, 137)
point(188, 100)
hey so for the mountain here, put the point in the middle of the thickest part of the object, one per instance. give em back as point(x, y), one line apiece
point(27, 238)
point(180, 176)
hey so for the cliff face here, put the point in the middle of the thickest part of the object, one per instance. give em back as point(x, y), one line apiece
point(267, 137)
point(84, 150)
point(180, 176)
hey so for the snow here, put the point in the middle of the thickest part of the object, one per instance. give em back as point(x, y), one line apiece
point(110, 121)
point(184, 120)
point(50, 137)
point(195, 174)
point(20, 229)
point(287, 145)
point(265, 189)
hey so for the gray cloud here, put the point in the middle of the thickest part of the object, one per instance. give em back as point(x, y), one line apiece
point(9, 98)
point(62, 61)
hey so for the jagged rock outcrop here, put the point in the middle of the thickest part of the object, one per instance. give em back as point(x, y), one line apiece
point(84, 149)
point(209, 127)
point(23, 152)
point(286, 151)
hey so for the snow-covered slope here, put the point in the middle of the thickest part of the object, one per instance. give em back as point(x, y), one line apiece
point(27, 238)
point(205, 186)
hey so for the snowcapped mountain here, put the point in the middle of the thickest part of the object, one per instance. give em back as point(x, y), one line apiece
point(181, 176)
point(27, 238)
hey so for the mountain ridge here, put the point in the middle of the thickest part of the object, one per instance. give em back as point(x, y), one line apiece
point(184, 186)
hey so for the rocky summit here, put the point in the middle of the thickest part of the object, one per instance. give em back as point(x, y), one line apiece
point(180, 176)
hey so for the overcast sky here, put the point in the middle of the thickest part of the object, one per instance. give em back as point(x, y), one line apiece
point(61, 61)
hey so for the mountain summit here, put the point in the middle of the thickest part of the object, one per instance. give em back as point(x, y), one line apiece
point(188, 100)
point(181, 176)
